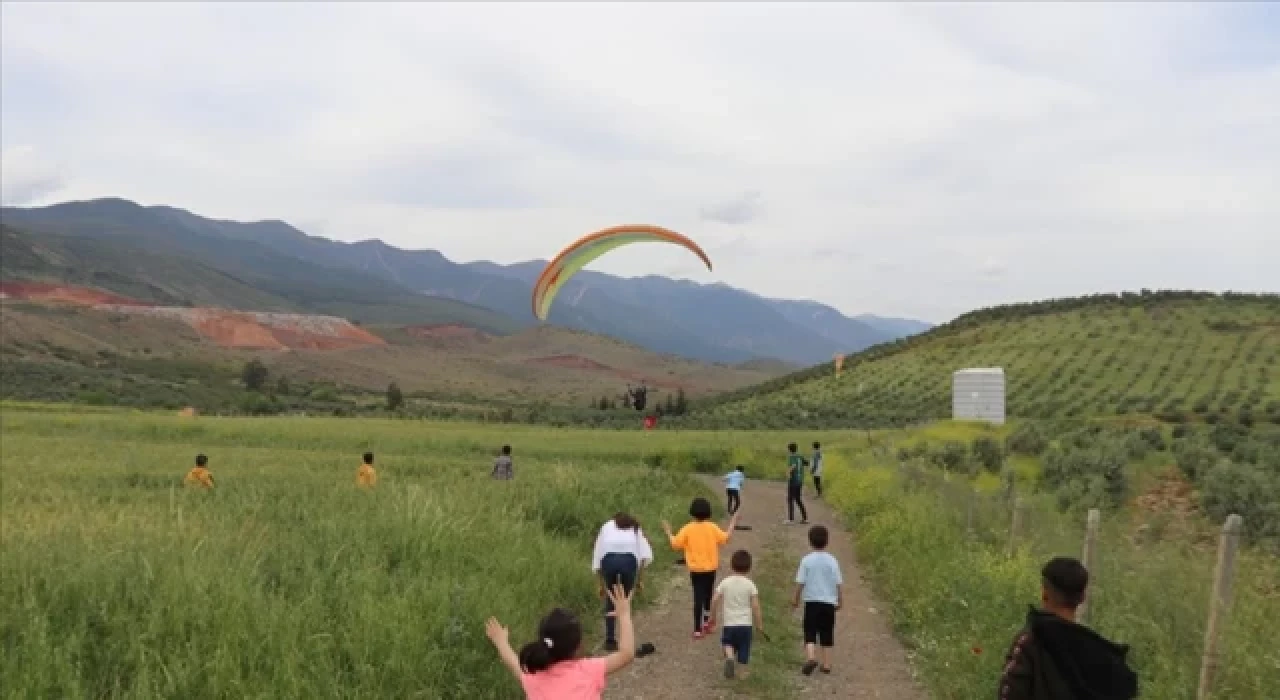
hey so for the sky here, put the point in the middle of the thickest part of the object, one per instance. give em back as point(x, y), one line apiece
point(907, 159)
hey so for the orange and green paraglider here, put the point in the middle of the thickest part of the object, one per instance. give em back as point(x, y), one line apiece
point(591, 246)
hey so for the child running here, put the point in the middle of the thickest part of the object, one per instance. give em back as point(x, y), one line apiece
point(366, 477)
point(199, 475)
point(733, 489)
point(502, 467)
point(739, 600)
point(820, 586)
point(549, 667)
point(795, 485)
point(700, 541)
point(817, 468)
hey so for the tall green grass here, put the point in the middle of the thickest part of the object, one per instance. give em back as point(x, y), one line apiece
point(958, 599)
point(287, 581)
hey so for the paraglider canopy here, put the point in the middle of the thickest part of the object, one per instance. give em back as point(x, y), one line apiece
point(591, 246)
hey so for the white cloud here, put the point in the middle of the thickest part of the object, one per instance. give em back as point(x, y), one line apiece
point(881, 158)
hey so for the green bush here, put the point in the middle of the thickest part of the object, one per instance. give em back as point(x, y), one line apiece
point(952, 456)
point(1244, 489)
point(987, 452)
point(1093, 477)
point(1194, 456)
point(1028, 438)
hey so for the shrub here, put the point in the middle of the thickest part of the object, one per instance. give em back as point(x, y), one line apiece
point(1028, 439)
point(1094, 476)
point(988, 453)
point(1194, 456)
point(1244, 489)
point(952, 455)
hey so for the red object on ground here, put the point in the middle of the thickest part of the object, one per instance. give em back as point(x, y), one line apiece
point(650, 422)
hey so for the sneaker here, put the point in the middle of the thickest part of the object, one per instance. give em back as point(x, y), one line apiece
point(645, 650)
point(809, 667)
point(728, 668)
point(706, 627)
point(788, 522)
point(826, 669)
point(698, 634)
point(804, 522)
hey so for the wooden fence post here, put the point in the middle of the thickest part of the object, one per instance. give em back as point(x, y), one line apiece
point(1223, 576)
point(1015, 525)
point(1087, 558)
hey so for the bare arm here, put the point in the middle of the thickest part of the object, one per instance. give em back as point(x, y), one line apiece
point(795, 597)
point(731, 527)
point(498, 635)
point(619, 659)
point(839, 596)
point(756, 614)
point(715, 605)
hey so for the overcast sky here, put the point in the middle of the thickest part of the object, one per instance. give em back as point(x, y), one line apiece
point(910, 159)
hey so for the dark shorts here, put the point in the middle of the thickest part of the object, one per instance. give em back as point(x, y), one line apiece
point(820, 624)
point(739, 639)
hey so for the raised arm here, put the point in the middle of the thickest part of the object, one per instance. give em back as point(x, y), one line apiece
point(677, 540)
point(619, 659)
point(498, 635)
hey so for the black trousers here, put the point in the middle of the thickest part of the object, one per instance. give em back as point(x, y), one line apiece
point(704, 585)
point(817, 483)
point(616, 567)
point(793, 500)
point(734, 501)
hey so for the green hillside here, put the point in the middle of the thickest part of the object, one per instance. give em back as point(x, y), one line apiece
point(1174, 355)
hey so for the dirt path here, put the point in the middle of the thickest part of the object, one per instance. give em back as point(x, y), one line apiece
point(868, 662)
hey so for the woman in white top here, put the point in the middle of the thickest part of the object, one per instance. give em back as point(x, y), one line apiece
point(621, 553)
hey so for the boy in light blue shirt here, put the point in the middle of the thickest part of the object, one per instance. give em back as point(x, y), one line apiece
point(820, 585)
point(733, 482)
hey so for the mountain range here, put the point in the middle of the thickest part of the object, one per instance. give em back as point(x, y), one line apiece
point(172, 256)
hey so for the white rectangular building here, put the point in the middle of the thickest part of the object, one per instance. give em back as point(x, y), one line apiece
point(978, 394)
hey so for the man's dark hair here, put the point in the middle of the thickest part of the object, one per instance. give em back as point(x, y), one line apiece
point(506, 449)
point(818, 537)
point(791, 447)
point(700, 509)
point(368, 458)
point(1066, 580)
point(817, 445)
point(201, 460)
point(740, 562)
point(741, 468)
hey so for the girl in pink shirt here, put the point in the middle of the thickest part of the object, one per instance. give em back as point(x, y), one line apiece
point(549, 668)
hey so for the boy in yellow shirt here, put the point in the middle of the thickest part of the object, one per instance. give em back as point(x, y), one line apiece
point(365, 475)
point(199, 474)
point(701, 541)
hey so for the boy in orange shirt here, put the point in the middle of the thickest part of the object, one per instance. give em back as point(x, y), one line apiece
point(365, 475)
point(701, 541)
point(199, 474)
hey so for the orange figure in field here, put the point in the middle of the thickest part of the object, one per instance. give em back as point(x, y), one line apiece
point(199, 475)
point(365, 475)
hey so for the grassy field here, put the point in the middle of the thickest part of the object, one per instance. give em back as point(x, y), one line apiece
point(1178, 358)
point(958, 596)
point(287, 581)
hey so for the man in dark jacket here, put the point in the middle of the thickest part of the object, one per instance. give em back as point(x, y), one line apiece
point(1053, 658)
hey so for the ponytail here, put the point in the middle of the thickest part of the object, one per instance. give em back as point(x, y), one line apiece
point(560, 635)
